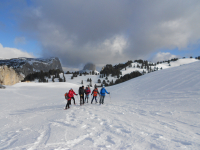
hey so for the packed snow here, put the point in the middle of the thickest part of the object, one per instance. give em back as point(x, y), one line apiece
point(160, 110)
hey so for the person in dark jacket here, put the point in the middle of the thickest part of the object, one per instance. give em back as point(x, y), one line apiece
point(81, 93)
point(103, 93)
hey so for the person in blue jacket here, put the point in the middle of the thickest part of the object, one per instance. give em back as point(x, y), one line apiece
point(103, 93)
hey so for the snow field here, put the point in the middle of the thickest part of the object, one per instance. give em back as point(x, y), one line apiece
point(160, 110)
point(77, 80)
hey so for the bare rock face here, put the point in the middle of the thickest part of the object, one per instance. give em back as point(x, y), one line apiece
point(8, 76)
point(89, 66)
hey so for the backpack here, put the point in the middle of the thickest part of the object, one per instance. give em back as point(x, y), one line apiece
point(95, 92)
point(66, 96)
point(102, 91)
point(87, 91)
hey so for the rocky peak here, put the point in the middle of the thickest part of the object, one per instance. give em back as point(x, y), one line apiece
point(89, 66)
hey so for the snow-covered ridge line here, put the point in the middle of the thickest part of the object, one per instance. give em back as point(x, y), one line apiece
point(16, 62)
point(159, 66)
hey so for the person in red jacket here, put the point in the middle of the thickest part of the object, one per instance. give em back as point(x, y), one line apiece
point(95, 92)
point(71, 95)
point(87, 93)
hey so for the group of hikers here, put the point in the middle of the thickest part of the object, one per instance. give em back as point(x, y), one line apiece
point(84, 95)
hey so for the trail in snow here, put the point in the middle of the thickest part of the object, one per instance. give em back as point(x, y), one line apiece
point(160, 110)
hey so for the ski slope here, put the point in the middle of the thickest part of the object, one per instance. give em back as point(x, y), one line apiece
point(160, 110)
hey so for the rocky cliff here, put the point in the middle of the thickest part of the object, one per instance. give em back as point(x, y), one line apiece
point(8, 76)
point(24, 66)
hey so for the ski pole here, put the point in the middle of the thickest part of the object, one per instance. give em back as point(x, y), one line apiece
point(78, 97)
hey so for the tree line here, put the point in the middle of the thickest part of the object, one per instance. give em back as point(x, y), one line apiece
point(41, 76)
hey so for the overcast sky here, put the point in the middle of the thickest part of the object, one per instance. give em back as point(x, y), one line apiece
point(101, 31)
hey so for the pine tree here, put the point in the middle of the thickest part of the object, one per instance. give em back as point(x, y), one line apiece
point(104, 82)
point(53, 79)
point(99, 81)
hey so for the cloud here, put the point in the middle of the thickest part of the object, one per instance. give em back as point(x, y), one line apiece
point(111, 31)
point(20, 40)
point(7, 53)
point(163, 56)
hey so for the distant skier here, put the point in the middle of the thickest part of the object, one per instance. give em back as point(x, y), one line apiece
point(95, 92)
point(103, 93)
point(81, 93)
point(87, 93)
point(71, 94)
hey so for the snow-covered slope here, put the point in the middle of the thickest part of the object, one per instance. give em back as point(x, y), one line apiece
point(160, 110)
point(164, 65)
point(179, 62)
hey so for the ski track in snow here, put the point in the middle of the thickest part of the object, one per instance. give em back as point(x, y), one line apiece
point(160, 110)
